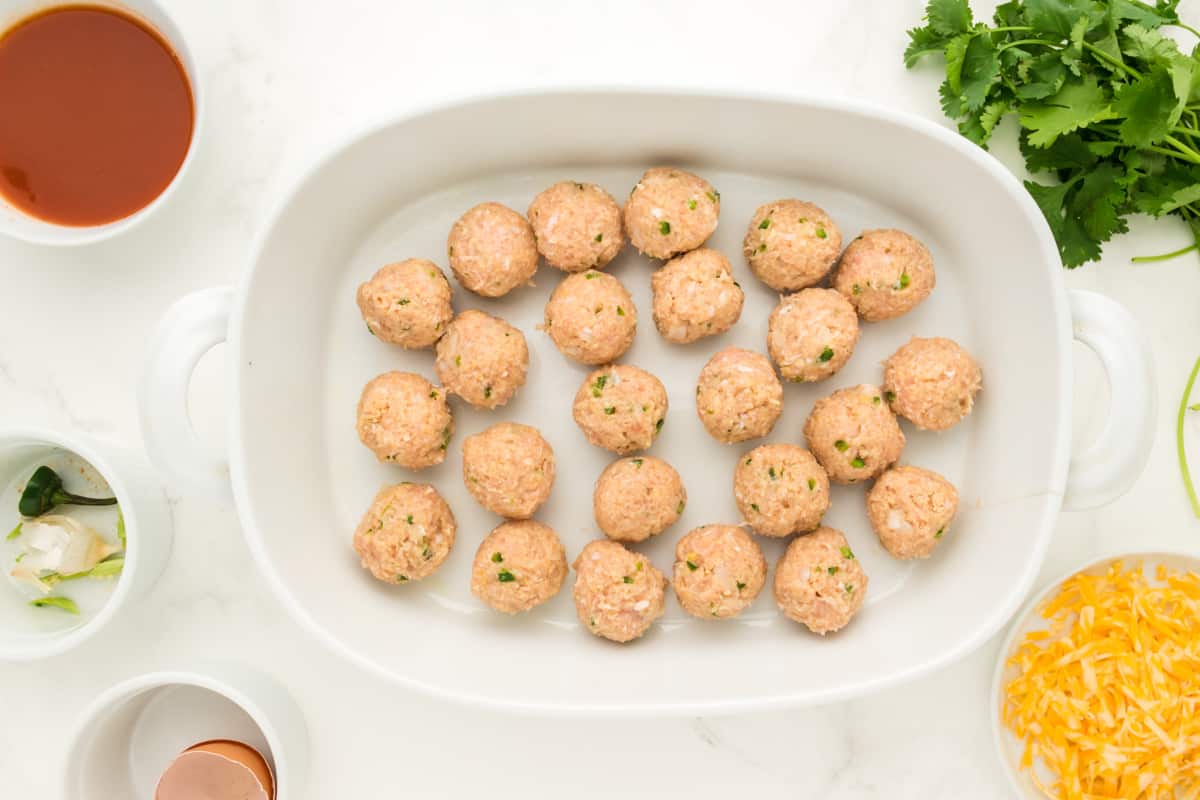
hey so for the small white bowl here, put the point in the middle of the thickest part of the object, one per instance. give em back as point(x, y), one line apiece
point(148, 532)
point(125, 739)
point(20, 225)
point(1008, 748)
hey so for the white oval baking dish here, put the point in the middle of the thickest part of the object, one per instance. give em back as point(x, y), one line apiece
point(299, 356)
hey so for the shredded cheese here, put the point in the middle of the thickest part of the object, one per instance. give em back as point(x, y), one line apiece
point(1107, 700)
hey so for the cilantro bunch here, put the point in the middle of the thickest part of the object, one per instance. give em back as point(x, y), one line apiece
point(1106, 103)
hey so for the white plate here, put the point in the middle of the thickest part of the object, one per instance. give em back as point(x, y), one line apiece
point(301, 356)
point(1008, 748)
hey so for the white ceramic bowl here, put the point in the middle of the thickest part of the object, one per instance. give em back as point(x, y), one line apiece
point(1008, 748)
point(299, 356)
point(20, 225)
point(125, 739)
point(148, 532)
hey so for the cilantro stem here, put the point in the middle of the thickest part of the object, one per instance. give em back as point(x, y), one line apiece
point(1017, 28)
point(1183, 148)
point(1044, 42)
point(1187, 28)
point(1165, 256)
point(1173, 153)
point(1106, 58)
point(1183, 464)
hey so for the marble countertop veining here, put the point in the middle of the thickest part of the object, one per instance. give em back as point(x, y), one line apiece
point(285, 77)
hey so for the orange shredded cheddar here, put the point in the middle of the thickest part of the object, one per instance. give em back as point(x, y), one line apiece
point(1107, 700)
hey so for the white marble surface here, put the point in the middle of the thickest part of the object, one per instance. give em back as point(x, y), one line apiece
point(283, 78)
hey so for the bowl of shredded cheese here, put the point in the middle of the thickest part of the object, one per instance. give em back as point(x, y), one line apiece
point(1097, 688)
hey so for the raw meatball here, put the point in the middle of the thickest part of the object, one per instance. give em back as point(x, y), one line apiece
point(670, 212)
point(509, 469)
point(885, 273)
point(636, 498)
point(911, 509)
point(406, 534)
point(618, 593)
point(492, 250)
point(406, 303)
point(932, 383)
point(791, 244)
point(577, 226)
point(621, 408)
point(738, 396)
point(719, 570)
point(518, 565)
point(482, 359)
point(818, 582)
point(405, 420)
point(811, 334)
point(781, 489)
point(591, 318)
point(854, 434)
point(695, 296)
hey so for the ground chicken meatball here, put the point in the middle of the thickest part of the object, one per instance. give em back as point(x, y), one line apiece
point(577, 226)
point(885, 273)
point(591, 318)
point(406, 534)
point(406, 303)
point(811, 334)
point(509, 469)
point(791, 244)
point(854, 434)
point(636, 498)
point(911, 509)
point(492, 250)
point(780, 489)
point(519, 565)
point(695, 296)
point(405, 420)
point(482, 359)
point(621, 408)
point(738, 396)
point(719, 570)
point(932, 383)
point(818, 581)
point(618, 593)
point(671, 211)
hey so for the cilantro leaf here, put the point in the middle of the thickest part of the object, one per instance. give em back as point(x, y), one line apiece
point(1074, 106)
point(1149, 108)
point(923, 42)
point(980, 69)
point(1144, 44)
point(1068, 152)
point(1056, 17)
point(949, 17)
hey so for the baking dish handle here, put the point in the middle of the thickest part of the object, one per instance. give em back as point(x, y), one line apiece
point(190, 328)
point(1106, 469)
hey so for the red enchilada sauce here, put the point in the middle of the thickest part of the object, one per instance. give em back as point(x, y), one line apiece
point(95, 115)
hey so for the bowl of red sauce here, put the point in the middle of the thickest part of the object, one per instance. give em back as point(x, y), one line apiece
point(99, 110)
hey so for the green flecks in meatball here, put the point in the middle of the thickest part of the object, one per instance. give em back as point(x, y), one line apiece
point(812, 484)
point(939, 533)
point(842, 445)
point(826, 355)
point(679, 508)
point(740, 586)
point(637, 463)
point(856, 289)
point(409, 519)
point(504, 576)
point(771, 473)
point(403, 301)
point(766, 223)
point(369, 329)
point(658, 426)
point(433, 394)
point(691, 204)
point(847, 553)
point(803, 220)
point(713, 196)
point(598, 385)
point(858, 462)
point(487, 391)
point(590, 275)
point(849, 588)
point(620, 311)
point(458, 361)
point(579, 186)
point(754, 506)
point(426, 550)
point(610, 410)
point(637, 567)
point(401, 578)
point(692, 565)
point(903, 282)
point(664, 227)
point(497, 557)
point(627, 579)
point(762, 248)
point(875, 400)
point(599, 237)
point(891, 396)
point(832, 570)
point(821, 233)
point(445, 437)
